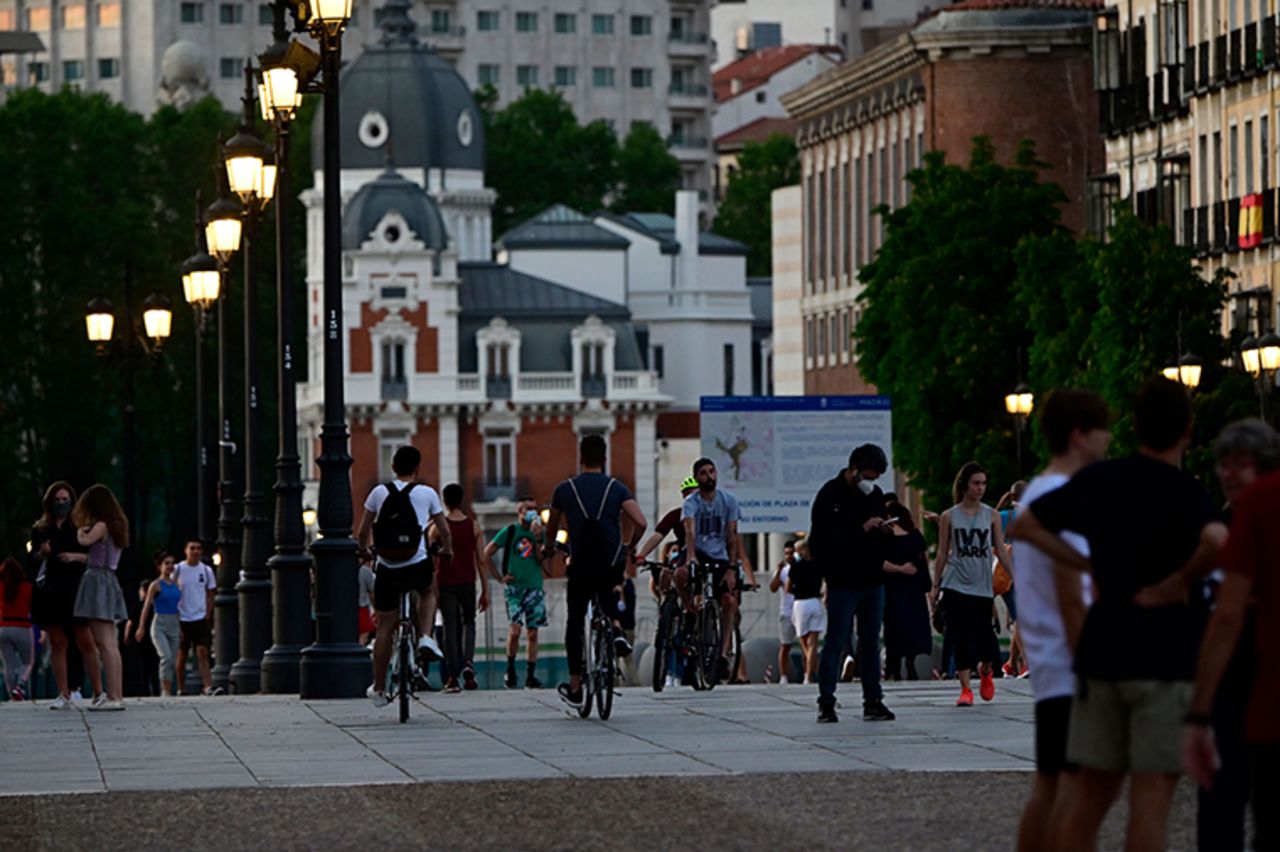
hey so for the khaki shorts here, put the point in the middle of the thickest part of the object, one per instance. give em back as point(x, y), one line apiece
point(1128, 725)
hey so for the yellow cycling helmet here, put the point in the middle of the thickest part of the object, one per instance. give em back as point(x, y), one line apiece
point(689, 482)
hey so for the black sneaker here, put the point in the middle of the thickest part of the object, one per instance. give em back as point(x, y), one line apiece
point(875, 711)
point(532, 682)
point(509, 681)
point(569, 696)
point(621, 646)
point(827, 713)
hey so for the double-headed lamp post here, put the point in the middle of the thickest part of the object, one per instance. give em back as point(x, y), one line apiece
point(222, 232)
point(335, 665)
point(251, 176)
point(100, 327)
point(1261, 358)
point(201, 284)
point(1186, 372)
point(1020, 404)
point(284, 67)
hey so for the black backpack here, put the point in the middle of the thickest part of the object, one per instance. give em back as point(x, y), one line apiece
point(397, 531)
point(591, 548)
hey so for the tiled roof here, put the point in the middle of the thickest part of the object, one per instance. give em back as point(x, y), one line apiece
point(560, 227)
point(757, 131)
point(494, 289)
point(662, 227)
point(1022, 4)
point(755, 69)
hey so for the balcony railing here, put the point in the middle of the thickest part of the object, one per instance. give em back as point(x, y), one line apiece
point(692, 90)
point(685, 37)
point(497, 387)
point(697, 142)
point(395, 389)
point(487, 490)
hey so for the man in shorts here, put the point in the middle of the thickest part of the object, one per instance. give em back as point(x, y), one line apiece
point(522, 575)
point(786, 608)
point(1076, 425)
point(395, 577)
point(1126, 719)
point(195, 613)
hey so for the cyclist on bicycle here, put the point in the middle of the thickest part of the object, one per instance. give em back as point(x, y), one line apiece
point(711, 523)
point(672, 522)
point(396, 516)
point(592, 504)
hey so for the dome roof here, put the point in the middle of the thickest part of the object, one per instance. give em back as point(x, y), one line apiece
point(401, 90)
point(391, 193)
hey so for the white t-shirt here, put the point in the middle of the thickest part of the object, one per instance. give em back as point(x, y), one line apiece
point(426, 503)
point(195, 581)
point(1044, 636)
point(786, 600)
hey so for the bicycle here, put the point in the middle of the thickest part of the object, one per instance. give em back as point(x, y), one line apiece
point(600, 664)
point(669, 636)
point(709, 624)
point(403, 673)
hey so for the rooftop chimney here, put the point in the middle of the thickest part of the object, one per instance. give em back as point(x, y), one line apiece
point(687, 236)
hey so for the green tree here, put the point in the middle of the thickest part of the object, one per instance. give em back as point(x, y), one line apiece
point(744, 213)
point(95, 194)
point(941, 330)
point(648, 176)
point(538, 155)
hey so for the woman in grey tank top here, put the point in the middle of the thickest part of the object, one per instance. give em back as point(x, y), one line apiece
point(969, 538)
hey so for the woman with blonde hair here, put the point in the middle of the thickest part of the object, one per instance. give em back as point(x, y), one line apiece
point(103, 528)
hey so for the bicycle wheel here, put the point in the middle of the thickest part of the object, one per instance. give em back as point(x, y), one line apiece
point(606, 666)
point(403, 675)
point(588, 666)
point(662, 643)
point(709, 645)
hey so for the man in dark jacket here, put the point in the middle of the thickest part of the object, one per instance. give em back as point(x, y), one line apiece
point(846, 536)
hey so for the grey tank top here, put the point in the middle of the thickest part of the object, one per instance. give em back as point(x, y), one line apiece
point(968, 568)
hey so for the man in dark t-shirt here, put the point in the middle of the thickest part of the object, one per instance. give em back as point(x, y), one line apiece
point(593, 495)
point(672, 523)
point(1135, 659)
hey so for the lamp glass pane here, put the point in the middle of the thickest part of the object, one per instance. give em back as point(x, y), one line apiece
point(280, 93)
point(223, 236)
point(1170, 373)
point(244, 174)
point(1026, 402)
point(331, 11)
point(205, 286)
point(1252, 361)
point(187, 292)
point(1270, 357)
point(99, 327)
point(267, 188)
point(263, 106)
point(1189, 374)
point(1011, 403)
point(158, 322)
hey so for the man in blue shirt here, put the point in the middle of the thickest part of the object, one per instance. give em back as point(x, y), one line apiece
point(592, 505)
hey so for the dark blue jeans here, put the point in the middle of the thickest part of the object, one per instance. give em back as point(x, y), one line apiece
point(842, 606)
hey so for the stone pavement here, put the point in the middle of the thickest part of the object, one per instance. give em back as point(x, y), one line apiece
point(267, 741)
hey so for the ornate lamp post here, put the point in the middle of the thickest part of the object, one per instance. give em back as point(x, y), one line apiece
point(251, 176)
point(1020, 404)
point(201, 283)
point(222, 234)
point(285, 66)
point(334, 665)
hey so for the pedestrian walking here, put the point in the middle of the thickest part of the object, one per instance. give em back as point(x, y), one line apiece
point(17, 645)
point(1251, 564)
point(140, 659)
point(969, 537)
point(367, 625)
point(522, 573)
point(164, 596)
point(847, 536)
point(457, 578)
point(197, 585)
point(809, 617)
point(103, 528)
point(59, 564)
point(1076, 427)
point(906, 595)
point(1007, 506)
point(1126, 717)
point(786, 608)
point(1244, 452)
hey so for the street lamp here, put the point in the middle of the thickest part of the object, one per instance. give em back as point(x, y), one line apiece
point(157, 319)
point(222, 229)
point(285, 69)
point(1189, 370)
point(201, 286)
point(1019, 404)
point(100, 323)
point(246, 160)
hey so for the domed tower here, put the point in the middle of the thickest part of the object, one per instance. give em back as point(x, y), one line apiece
point(403, 103)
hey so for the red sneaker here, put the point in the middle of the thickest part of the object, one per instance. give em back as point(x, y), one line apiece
point(1007, 668)
point(965, 699)
point(987, 688)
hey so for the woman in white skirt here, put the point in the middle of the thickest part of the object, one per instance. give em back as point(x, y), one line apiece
point(103, 528)
point(810, 616)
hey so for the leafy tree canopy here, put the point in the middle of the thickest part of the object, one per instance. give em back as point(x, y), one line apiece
point(648, 176)
point(744, 213)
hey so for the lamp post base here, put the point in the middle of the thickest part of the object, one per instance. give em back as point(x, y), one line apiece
point(255, 635)
point(291, 610)
point(334, 671)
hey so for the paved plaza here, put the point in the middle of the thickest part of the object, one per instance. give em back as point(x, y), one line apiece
point(740, 767)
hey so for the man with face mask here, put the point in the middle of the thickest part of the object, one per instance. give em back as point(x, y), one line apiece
point(522, 575)
point(846, 537)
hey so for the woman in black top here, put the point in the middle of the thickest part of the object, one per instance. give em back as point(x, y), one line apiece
point(906, 595)
point(60, 560)
point(804, 581)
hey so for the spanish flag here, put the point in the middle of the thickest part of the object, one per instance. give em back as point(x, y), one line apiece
point(1250, 234)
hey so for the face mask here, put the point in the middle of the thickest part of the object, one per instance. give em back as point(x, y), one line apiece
point(61, 508)
point(530, 516)
point(866, 486)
